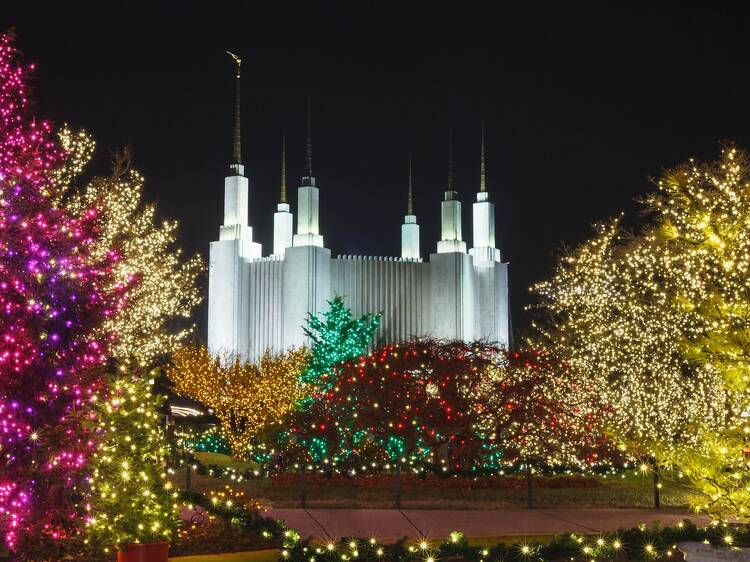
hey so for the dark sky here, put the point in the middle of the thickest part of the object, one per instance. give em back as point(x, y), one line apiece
point(581, 107)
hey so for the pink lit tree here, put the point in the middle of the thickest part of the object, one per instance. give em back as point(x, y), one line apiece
point(51, 299)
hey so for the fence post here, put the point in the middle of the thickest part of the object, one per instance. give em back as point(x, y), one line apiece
point(398, 484)
point(657, 485)
point(303, 488)
point(188, 474)
point(529, 497)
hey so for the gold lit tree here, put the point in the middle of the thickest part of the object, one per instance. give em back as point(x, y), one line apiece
point(701, 217)
point(163, 284)
point(611, 313)
point(245, 396)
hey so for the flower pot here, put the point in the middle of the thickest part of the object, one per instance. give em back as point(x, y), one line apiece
point(144, 552)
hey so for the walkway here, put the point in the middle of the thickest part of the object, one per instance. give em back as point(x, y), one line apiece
point(391, 524)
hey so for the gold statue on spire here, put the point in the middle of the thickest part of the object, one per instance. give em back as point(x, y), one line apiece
point(237, 146)
point(237, 60)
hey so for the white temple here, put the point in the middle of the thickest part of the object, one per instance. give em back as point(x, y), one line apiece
point(258, 302)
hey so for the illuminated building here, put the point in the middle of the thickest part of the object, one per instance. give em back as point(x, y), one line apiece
point(258, 302)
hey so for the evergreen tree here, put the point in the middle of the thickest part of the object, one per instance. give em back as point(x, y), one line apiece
point(336, 337)
point(54, 298)
point(132, 501)
point(163, 285)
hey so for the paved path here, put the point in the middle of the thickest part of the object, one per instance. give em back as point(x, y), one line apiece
point(391, 524)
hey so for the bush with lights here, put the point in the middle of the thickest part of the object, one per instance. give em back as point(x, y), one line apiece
point(246, 397)
point(641, 543)
point(454, 407)
point(131, 498)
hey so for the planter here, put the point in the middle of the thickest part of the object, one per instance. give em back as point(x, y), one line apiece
point(144, 552)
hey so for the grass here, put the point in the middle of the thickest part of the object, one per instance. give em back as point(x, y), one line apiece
point(224, 461)
point(635, 490)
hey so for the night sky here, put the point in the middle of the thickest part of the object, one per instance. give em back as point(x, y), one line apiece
point(582, 108)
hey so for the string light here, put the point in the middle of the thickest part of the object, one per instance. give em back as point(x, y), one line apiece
point(54, 294)
point(162, 285)
point(463, 406)
point(244, 396)
point(660, 321)
point(132, 500)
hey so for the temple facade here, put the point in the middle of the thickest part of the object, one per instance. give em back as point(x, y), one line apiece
point(260, 302)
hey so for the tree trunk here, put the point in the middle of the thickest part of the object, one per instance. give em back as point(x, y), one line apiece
point(398, 484)
point(303, 488)
point(529, 497)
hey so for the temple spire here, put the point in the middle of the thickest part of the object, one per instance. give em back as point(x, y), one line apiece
point(451, 182)
point(308, 141)
point(282, 198)
point(410, 201)
point(236, 145)
point(482, 169)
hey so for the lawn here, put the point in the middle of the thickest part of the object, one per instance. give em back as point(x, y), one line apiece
point(634, 490)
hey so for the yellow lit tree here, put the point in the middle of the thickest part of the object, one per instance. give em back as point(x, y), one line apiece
point(702, 225)
point(131, 499)
point(245, 396)
point(164, 290)
point(611, 314)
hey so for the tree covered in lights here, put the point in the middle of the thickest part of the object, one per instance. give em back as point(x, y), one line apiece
point(660, 320)
point(246, 397)
point(131, 499)
point(163, 284)
point(540, 411)
point(610, 311)
point(454, 406)
point(55, 294)
point(701, 224)
point(415, 400)
point(334, 337)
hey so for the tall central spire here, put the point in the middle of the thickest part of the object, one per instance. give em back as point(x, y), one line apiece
point(237, 146)
point(282, 199)
point(451, 183)
point(482, 170)
point(308, 141)
point(410, 200)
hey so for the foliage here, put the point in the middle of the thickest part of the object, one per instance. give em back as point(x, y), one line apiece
point(411, 399)
point(640, 543)
point(209, 440)
point(164, 288)
point(335, 337)
point(131, 500)
point(55, 293)
point(661, 320)
point(233, 508)
point(245, 396)
point(701, 215)
point(539, 410)
point(461, 407)
point(611, 314)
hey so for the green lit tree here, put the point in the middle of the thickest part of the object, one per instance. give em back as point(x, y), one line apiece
point(132, 501)
point(336, 337)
